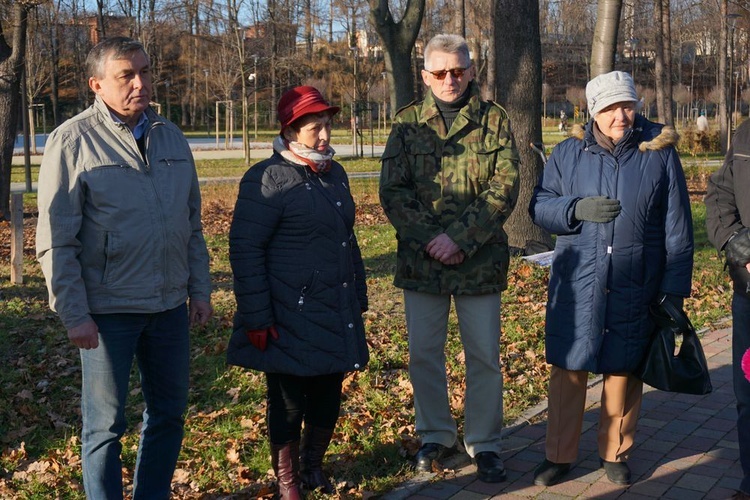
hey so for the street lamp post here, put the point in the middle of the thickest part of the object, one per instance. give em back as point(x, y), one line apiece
point(736, 97)
point(633, 45)
point(205, 111)
point(385, 100)
point(354, 102)
point(241, 37)
point(255, 94)
point(167, 83)
point(733, 19)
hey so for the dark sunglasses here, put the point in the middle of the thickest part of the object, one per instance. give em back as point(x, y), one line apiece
point(456, 73)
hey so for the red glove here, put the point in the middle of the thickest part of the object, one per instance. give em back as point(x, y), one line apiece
point(259, 338)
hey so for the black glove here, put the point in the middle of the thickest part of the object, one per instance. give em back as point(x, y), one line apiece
point(597, 209)
point(737, 248)
point(676, 300)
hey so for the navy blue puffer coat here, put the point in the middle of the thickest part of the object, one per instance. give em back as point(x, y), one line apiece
point(605, 276)
point(297, 265)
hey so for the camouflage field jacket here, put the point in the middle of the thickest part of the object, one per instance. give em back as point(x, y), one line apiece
point(463, 183)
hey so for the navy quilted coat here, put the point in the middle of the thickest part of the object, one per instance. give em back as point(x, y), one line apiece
point(297, 266)
point(605, 276)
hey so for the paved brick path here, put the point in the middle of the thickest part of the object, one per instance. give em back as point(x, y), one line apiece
point(686, 448)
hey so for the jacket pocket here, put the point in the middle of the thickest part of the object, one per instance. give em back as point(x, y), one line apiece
point(109, 166)
point(173, 162)
point(110, 258)
point(422, 152)
point(306, 289)
point(481, 163)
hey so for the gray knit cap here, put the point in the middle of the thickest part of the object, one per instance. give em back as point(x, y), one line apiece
point(609, 88)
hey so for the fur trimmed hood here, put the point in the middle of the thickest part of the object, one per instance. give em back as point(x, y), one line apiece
point(667, 137)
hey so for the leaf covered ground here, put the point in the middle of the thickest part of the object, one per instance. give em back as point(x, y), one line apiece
point(225, 453)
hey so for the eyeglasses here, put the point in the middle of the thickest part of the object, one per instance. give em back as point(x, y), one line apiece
point(456, 73)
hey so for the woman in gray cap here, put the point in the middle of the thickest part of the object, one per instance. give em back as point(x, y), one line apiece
point(615, 196)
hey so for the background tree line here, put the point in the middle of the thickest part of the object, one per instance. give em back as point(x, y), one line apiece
point(533, 56)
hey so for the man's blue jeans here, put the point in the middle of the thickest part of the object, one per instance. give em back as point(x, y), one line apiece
point(160, 344)
point(740, 344)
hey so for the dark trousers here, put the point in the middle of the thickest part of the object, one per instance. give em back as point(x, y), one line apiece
point(292, 399)
point(740, 344)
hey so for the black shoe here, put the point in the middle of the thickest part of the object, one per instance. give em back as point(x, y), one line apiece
point(617, 472)
point(548, 473)
point(490, 467)
point(429, 452)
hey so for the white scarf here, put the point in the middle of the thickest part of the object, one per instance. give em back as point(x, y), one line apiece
point(299, 154)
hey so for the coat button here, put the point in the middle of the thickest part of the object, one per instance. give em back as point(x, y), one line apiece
point(356, 366)
point(345, 284)
point(350, 325)
point(338, 203)
point(343, 244)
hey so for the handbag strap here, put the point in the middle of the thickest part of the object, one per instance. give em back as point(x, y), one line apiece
point(678, 316)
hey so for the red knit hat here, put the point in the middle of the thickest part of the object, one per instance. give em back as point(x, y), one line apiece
point(301, 101)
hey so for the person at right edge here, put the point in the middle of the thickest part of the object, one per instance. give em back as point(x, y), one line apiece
point(615, 195)
point(728, 224)
point(448, 184)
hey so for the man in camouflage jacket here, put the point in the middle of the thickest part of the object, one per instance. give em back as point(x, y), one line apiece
point(449, 181)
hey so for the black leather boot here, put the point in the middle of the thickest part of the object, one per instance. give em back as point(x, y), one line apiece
point(314, 444)
point(285, 462)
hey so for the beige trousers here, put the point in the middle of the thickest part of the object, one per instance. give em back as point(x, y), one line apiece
point(620, 406)
point(479, 326)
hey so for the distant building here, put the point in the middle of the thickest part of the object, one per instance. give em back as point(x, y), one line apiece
point(113, 26)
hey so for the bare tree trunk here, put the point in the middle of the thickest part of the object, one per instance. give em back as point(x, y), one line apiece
point(666, 27)
point(11, 71)
point(724, 139)
point(52, 31)
point(330, 23)
point(185, 111)
point(272, 16)
point(461, 18)
point(234, 14)
point(308, 30)
point(663, 62)
point(55, 75)
point(518, 86)
point(661, 110)
point(398, 39)
point(100, 28)
point(605, 36)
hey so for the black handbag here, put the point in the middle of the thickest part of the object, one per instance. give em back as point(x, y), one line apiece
point(687, 371)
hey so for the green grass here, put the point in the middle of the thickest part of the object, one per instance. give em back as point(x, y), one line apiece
point(236, 167)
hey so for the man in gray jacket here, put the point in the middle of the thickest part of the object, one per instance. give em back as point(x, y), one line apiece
point(121, 246)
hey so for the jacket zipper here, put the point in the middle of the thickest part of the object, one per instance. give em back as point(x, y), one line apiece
point(147, 143)
point(301, 300)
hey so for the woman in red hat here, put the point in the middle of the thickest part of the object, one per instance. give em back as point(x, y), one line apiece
point(300, 287)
